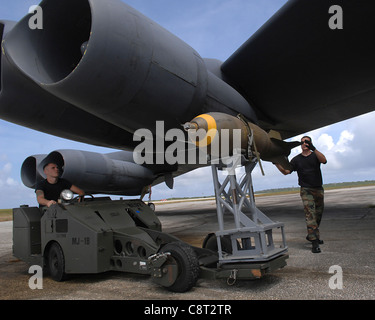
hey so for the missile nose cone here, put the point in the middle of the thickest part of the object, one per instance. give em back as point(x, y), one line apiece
point(205, 121)
point(202, 130)
point(190, 126)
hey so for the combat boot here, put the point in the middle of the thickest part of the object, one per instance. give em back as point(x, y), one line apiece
point(315, 246)
point(320, 241)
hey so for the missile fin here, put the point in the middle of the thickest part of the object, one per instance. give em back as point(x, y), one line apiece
point(169, 181)
point(286, 145)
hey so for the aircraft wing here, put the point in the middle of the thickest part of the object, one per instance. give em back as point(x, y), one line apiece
point(299, 74)
point(100, 71)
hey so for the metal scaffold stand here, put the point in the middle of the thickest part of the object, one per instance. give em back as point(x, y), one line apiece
point(245, 233)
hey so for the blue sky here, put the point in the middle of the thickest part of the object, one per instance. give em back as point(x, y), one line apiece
point(215, 29)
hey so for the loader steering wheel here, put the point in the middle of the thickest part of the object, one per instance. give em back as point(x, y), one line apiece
point(82, 198)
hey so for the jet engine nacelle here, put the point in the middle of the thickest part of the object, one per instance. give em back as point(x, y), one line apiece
point(113, 173)
point(111, 61)
point(30, 174)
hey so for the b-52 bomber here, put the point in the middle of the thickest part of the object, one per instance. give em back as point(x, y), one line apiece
point(102, 73)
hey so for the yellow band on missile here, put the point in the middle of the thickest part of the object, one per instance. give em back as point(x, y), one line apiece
point(211, 131)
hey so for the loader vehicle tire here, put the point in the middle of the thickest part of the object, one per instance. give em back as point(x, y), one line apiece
point(182, 255)
point(56, 262)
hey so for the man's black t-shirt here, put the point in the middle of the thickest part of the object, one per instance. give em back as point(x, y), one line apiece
point(308, 170)
point(53, 191)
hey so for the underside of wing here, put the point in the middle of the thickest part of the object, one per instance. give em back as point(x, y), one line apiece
point(309, 66)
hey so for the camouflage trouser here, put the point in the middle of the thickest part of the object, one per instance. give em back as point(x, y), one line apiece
point(313, 202)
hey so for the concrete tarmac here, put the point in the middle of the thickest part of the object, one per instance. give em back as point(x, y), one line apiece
point(348, 230)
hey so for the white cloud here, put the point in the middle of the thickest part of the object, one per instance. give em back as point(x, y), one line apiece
point(5, 172)
point(343, 145)
point(12, 192)
point(326, 141)
point(11, 182)
point(349, 150)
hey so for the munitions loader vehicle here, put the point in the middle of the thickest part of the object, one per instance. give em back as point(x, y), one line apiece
point(100, 235)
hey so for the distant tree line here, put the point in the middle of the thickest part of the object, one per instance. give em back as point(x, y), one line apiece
point(338, 185)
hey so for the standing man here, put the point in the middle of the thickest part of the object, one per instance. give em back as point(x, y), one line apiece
point(48, 191)
point(307, 165)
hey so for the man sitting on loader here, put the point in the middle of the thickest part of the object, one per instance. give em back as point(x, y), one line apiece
point(48, 191)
